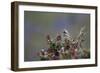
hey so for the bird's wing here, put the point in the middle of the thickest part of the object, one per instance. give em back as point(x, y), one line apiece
point(67, 34)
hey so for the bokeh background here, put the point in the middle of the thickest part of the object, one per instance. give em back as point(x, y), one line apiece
point(38, 24)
